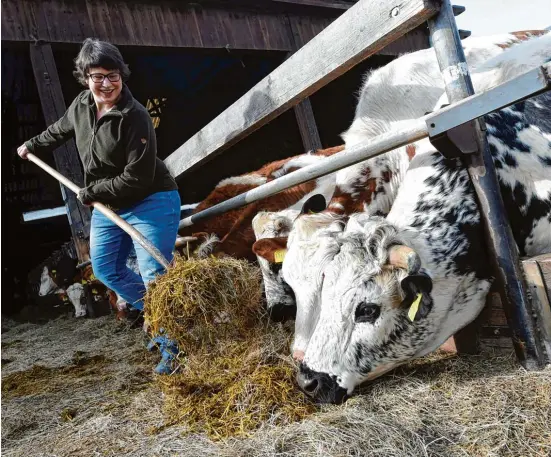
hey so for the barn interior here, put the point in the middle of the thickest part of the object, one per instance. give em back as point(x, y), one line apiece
point(184, 88)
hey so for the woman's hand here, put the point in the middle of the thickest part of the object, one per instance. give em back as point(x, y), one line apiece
point(22, 151)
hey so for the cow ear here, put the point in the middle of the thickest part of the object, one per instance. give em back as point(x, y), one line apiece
point(417, 288)
point(315, 204)
point(271, 249)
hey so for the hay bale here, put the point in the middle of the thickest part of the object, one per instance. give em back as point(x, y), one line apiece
point(235, 370)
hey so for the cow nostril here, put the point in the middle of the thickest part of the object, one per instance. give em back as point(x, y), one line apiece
point(308, 385)
point(321, 387)
point(311, 387)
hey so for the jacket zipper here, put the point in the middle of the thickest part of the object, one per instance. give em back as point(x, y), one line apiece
point(92, 138)
point(95, 128)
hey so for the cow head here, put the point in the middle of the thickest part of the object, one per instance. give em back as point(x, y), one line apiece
point(76, 295)
point(47, 283)
point(377, 310)
point(271, 230)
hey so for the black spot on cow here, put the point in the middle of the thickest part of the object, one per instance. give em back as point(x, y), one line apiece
point(519, 195)
point(522, 213)
point(546, 161)
point(510, 160)
point(275, 268)
point(474, 258)
point(506, 124)
point(537, 111)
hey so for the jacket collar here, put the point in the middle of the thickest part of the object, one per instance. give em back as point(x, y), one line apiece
point(123, 106)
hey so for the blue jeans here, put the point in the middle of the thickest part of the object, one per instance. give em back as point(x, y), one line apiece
point(156, 218)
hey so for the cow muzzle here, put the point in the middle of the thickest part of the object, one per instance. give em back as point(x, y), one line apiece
point(321, 387)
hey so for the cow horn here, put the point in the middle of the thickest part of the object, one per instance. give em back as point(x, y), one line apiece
point(401, 256)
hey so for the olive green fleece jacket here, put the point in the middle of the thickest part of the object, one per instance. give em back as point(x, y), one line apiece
point(118, 151)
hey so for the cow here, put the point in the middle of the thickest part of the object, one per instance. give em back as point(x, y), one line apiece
point(405, 89)
point(59, 276)
point(393, 289)
point(231, 233)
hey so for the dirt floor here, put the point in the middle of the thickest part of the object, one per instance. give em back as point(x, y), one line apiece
point(84, 387)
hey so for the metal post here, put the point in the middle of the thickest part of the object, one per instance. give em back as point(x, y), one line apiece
point(501, 244)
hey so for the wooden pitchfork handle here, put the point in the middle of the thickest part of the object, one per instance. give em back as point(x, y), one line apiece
point(155, 253)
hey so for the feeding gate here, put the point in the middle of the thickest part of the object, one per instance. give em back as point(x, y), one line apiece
point(361, 31)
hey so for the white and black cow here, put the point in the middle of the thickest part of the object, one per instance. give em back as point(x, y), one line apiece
point(391, 96)
point(393, 289)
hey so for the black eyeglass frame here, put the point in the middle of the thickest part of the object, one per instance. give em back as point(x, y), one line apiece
point(113, 77)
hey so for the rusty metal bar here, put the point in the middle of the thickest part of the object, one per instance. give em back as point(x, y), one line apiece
point(501, 244)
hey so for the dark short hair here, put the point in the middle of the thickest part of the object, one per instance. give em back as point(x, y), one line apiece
point(96, 53)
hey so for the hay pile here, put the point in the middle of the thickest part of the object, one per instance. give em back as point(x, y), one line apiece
point(235, 373)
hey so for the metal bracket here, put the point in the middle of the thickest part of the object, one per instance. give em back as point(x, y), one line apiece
point(455, 142)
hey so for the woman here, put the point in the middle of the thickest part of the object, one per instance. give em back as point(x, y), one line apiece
point(116, 142)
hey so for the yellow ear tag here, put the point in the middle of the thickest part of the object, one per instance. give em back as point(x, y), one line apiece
point(414, 307)
point(279, 255)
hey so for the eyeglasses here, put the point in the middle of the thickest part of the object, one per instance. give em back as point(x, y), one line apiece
point(99, 77)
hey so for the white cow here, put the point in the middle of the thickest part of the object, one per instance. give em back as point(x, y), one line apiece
point(395, 289)
point(391, 96)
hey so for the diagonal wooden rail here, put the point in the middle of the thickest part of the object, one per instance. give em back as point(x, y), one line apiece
point(364, 29)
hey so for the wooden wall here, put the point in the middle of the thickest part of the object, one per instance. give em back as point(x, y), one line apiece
point(167, 24)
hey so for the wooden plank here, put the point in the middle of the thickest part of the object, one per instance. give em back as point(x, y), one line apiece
point(66, 156)
point(304, 112)
point(335, 4)
point(307, 125)
point(164, 23)
point(541, 307)
point(544, 262)
point(363, 30)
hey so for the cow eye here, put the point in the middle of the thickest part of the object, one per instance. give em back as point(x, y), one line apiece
point(367, 312)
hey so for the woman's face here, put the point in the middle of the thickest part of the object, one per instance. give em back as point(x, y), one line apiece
point(106, 85)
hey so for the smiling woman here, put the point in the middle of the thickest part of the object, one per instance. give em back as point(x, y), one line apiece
point(116, 142)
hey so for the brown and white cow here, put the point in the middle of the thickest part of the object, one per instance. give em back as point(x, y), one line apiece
point(231, 233)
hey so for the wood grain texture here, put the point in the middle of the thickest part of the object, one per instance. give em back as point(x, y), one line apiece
point(538, 287)
point(361, 31)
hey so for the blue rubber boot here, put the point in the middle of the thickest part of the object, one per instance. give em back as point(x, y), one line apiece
point(156, 343)
point(168, 350)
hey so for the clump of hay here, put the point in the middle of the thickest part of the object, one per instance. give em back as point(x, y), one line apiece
point(235, 373)
point(39, 379)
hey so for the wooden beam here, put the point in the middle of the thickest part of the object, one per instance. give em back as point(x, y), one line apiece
point(538, 285)
point(304, 112)
point(360, 32)
point(66, 156)
point(334, 4)
point(307, 125)
point(544, 262)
